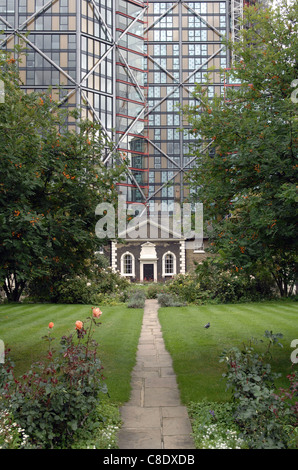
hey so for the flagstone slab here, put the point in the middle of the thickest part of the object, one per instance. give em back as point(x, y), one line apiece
point(166, 371)
point(136, 417)
point(161, 397)
point(174, 412)
point(178, 442)
point(176, 426)
point(136, 439)
point(162, 382)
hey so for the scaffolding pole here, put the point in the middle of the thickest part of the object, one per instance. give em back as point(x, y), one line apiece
point(236, 22)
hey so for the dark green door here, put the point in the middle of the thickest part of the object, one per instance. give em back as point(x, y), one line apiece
point(148, 272)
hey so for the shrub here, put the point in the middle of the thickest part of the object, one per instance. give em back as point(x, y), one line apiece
point(188, 288)
point(99, 285)
point(213, 283)
point(136, 299)
point(225, 285)
point(76, 290)
point(169, 300)
point(107, 281)
point(154, 289)
point(58, 395)
point(111, 298)
point(260, 413)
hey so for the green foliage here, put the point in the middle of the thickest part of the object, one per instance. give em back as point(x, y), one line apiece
point(101, 286)
point(136, 299)
point(289, 397)
point(213, 426)
point(225, 285)
point(103, 432)
point(11, 435)
point(109, 281)
point(58, 395)
point(169, 300)
point(260, 413)
point(154, 289)
point(51, 180)
point(247, 178)
point(188, 288)
point(68, 290)
point(213, 283)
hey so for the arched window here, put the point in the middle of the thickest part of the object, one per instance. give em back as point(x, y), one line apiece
point(168, 264)
point(127, 264)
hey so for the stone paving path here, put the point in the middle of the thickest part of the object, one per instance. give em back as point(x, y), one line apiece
point(154, 417)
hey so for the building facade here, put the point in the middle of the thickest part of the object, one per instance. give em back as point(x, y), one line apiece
point(130, 65)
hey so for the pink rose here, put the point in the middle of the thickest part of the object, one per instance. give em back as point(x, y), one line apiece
point(79, 325)
point(96, 312)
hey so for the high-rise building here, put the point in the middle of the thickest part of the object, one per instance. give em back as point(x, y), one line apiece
point(92, 52)
point(130, 65)
point(184, 42)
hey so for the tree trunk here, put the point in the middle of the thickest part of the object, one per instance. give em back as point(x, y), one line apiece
point(284, 288)
point(13, 289)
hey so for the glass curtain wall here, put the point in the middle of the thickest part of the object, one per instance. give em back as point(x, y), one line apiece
point(130, 65)
point(184, 42)
point(69, 46)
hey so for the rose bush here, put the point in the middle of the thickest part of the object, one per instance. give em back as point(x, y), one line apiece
point(58, 395)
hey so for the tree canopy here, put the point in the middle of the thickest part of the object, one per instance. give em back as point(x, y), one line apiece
point(51, 180)
point(247, 147)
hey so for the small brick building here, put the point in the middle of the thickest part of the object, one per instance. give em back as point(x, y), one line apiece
point(146, 258)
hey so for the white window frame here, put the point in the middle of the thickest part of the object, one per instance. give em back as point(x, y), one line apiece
point(132, 274)
point(174, 271)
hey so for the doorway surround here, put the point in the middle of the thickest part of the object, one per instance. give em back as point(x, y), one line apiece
point(148, 256)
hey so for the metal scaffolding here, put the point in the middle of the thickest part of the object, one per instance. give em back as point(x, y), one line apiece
point(155, 53)
point(236, 21)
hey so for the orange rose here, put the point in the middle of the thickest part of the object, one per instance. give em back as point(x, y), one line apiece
point(79, 325)
point(51, 324)
point(96, 312)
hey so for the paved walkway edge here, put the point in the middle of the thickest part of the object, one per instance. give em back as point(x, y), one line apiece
point(154, 418)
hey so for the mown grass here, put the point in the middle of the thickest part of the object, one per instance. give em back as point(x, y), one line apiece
point(195, 350)
point(23, 325)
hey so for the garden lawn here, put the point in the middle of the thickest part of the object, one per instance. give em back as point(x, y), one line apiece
point(196, 351)
point(23, 325)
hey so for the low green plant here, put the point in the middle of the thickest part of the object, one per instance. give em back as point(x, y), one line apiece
point(136, 299)
point(103, 432)
point(213, 426)
point(111, 299)
point(289, 396)
point(154, 289)
point(169, 300)
point(12, 436)
point(260, 413)
point(59, 394)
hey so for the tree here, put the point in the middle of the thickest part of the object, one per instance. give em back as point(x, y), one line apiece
point(51, 180)
point(246, 178)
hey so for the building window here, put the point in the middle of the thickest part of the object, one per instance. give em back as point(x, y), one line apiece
point(127, 265)
point(168, 264)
